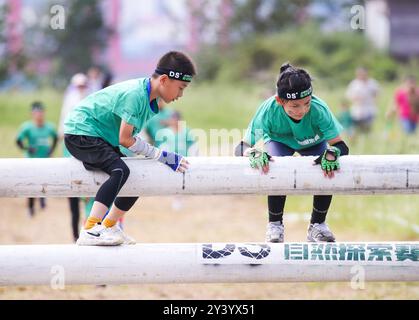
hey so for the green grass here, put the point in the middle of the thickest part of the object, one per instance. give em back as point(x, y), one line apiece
point(216, 106)
point(15, 109)
point(370, 215)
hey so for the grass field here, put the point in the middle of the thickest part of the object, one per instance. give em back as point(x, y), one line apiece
point(217, 106)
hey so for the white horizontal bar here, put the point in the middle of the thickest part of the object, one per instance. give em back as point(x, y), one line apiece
point(204, 263)
point(65, 177)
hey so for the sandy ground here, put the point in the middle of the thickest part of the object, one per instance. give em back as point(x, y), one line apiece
point(201, 219)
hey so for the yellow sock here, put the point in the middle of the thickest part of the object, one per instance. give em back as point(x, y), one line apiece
point(91, 221)
point(108, 223)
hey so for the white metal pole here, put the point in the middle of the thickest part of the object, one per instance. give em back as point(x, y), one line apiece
point(66, 177)
point(205, 263)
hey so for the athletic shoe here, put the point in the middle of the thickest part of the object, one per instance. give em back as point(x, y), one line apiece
point(319, 232)
point(99, 236)
point(117, 231)
point(275, 232)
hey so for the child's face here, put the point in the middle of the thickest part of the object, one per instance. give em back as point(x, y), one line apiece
point(170, 89)
point(411, 85)
point(38, 116)
point(296, 109)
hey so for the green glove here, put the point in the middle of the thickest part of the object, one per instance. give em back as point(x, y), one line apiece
point(258, 158)
point(329, 165)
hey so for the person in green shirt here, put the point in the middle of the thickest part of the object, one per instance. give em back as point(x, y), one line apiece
point(295, 120)
point(157, 123)
point(345, 118)
point(38, 139)
point(114, 116)
point(176, 136)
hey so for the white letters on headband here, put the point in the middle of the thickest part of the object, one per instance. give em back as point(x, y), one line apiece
point(176, 75)
point(295, 95)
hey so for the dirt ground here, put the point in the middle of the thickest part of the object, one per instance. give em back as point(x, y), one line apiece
point(200, 219)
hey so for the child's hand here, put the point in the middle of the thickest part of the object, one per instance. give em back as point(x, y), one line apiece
point(184, 165)
point(31, 150)
point(259, 159)
point(173, 160)
point(329, 161)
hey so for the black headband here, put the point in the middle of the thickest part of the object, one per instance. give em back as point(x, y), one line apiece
point(176, 75)
point(295, 95)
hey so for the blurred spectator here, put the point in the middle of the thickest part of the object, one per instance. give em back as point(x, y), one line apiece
point(156, 123)
point(362, 92)
point(406, 103)
point(345, 117)
point(76, 91)
point(38, 139)
point(107, 79)
point(176, 137)
point(95, 79)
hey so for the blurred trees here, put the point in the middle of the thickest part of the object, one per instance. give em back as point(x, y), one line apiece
point(3, 52)
point(267, 33)
point(262, 16)
point(80, 44)
point(10, 61)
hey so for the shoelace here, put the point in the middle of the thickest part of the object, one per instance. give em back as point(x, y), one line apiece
point(320, 228)
point(275, 227)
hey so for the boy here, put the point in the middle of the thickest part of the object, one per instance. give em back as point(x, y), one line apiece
point(38, 139)
point(114, 116)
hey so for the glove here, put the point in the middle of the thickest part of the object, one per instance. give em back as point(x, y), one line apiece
point(329, 165)
point(170, 159)
point(258, 158)
point(31, 150)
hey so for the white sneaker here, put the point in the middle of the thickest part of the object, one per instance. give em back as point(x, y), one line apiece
point(275, 232)
point(117, 231)
point(98, 236)
point(320, 232)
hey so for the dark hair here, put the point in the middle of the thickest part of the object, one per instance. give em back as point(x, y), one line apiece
point(37, 106)
point(107, 80)
point(292, 79)
point(176, 61)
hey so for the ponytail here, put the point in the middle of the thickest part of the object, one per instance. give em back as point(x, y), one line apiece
point(293, 83)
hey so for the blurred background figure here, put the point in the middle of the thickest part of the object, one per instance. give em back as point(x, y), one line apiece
point(38, 139)
point(362, 93)
point(107, 79)
point(75, 92)
point(95, 79)
point(406, 104)
point(158, 122)
point(345, 118)
point(175, 136)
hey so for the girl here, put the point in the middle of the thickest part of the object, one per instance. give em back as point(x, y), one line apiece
point(292, 121)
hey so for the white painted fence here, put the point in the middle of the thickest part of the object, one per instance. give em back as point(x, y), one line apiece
point(60, 265)
point(65, 177)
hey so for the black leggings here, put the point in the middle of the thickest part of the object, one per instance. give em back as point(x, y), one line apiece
point(75, 216)
point(97, 154)
point(107, 193)
point(31, 203)
point(276, 204)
